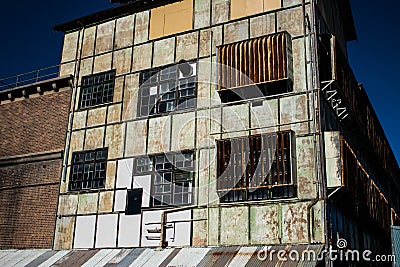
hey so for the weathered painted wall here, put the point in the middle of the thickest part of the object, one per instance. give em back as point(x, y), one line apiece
point(124, 44)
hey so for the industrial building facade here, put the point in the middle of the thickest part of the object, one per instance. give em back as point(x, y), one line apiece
point(201, 123)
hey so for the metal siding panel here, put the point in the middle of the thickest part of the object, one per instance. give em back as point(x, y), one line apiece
point(132, 256)
point(118, 257)
point(189, 257)
point(101, 258)
point(10, 256)
point(156, 258)
point(33, 254)
point(242, 257)
point(168, 259)
point(39, 259)
point(54, 258)
point(219, 256)
point(76, 258)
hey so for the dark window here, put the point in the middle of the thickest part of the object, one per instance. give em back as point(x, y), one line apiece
point(256, 167)
point(97, 89)
point(172, 177)
point(167, 89)
point(134, 201)
point(88, 169)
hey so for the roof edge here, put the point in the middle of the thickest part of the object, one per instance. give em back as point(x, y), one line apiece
point(108, 14)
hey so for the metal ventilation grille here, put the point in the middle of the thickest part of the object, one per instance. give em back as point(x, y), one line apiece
point(255, 61)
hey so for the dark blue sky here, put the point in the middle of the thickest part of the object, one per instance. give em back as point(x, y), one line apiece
point(28, 42)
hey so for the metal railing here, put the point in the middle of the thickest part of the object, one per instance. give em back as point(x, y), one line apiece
point(29, 77)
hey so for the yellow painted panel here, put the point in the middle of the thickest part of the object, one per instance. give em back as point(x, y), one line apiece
point(178, 21)
point(272, 4)
point(172, 18)
point(243, 8)
point(238, 8)
point(254, 7)
point(157, 22)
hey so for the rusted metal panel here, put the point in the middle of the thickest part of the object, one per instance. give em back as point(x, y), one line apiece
point(293, 109)
point(318, 223)
point(70, 46)
point(87, 203)
point(201, 13)
point(291, 20)
point(67, 204)
point(220, 12)
point(183, 127)
point(234, 226)
point(97, 116)
point(67, 69)
point(122, 61)
point(64, 233)
point(142, 27)
point(142, 56)
point(235, 120)
point(136, 138)
point(299, 65)
point(213, 226)
point(333, 172)
point(110, 174)
point(104, 37)
point(262, 25)
point(102, 63)
point(159, 135)
point(236, 31)
point(114, 113)
point(76, 142)
point(294, 223)
point(187, 46)
point(305, 161)
point(131, 90)
point(255, 61)
point(265, 115)
point(106, 201)
point(164, 51)
point(79, 120)
point(94, 138)
point(89, 36)
point(115, 137)
point(124, 31)
point(264, 224)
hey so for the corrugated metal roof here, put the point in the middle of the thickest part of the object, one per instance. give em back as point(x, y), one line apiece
point(183, 257)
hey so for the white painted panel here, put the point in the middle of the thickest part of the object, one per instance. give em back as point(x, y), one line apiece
point(129, 230)
point(124, 173)
point(84, 231)
point(120, 200)
point(145, 183)
point(106, 234)
point(179, 235)
point(151, 220)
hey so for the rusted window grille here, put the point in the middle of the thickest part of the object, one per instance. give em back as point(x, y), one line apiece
point(263, 63)
point(167, 89)
point(172, 177)
point(97, 89)
point(256, 167)
point(88, 169)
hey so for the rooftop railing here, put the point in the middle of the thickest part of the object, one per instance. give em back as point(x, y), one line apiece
point(29, 77)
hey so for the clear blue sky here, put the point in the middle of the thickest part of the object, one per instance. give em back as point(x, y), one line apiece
point(28, 43)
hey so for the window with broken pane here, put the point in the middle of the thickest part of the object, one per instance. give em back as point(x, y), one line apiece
point(166, 89)
point(172, 177)
point(97, 89)
point(88, 169)
point(256, 167)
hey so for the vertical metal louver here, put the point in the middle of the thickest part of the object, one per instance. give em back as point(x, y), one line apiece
point(256, 61)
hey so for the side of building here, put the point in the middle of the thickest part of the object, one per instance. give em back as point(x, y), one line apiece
point(33, 125)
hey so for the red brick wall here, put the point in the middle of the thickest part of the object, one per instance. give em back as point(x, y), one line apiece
point(29, 191)
point(27, 213)
point(34, 124)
